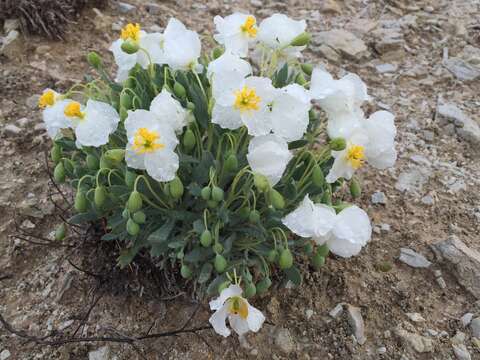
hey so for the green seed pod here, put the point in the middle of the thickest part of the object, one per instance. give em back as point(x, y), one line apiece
point(302, 39)
point(60, 232)
point(355, 189)
point(217, 52)
point(80, 201)
point(307, 69)
point(59, 173)
point(218, 248)
point(217, 194)
point(132, 227)
point(130, 178)
point(263, 285)
point(231, 163)
point(105, 163)
point(190, 106)
point(300, 79)
point(254, 217)
point(56, 153)
point(189, 140)
point(129, 46)
point(100, 196)
point(92, 162)
point(308, 248)
point(206, 238)
point(115, 155)
point(176, 188)
point(286, 259)
point(220, 263)
point(179, 90)
point(135, 202)
point(223, 286)
point(317, 176)
point(277, 199)
point(338, 144)
point(205, 193)
point(139, 217)
point(185, 272)
point(125, 100)
point(272, 256)
point(323, 250)
point(261, 183)
point(125, 214)
point(94, 60)
point(212, 204)
point(250, 290)
point(244, 213)
point(317, 261)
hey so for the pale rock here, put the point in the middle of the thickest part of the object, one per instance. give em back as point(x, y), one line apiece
point(11, 24)
point(12, 130)
point(459, 338)
point(283, 339)
point(417, 342)
point(156, 28)
point(381, 350)
point(125, 8)
point(389, 43)
point(413, 259)
point(342, 42)
point(330, 6)
point(153, 9)
point(461, 352)
point(102, 353)
point(27, 224)
point(43, 49)
point(466, 128)
point(378, 197)
point(336, 311)
point(427, 200)
point(5, 354)
point(361, 26)
point(415, 317)
point(475, 327)
point(12, 46)
point(461, 69)
point(355, 320)
point(308, 313)
point(441, 282)
point(386, 68)
point(466, 319)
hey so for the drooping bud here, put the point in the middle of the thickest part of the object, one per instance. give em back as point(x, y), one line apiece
point(125, 100)
point(185, 271)
point(176, 188)
point(217, 194)
point(80, 203)
point(263, 285)
point(272, 256)
point(223, 286)
point(302, 39)
point(254, 217)
point(286, 259)
point(300, 79)
point(261, 182)
point(231, 163)
point(206, 238)
point(317, 261)
point(307, 69)
point(277, 199)
point(217, 52)
point(135, 202)
point(130, 177)
point(60, 232)
point(323, 250)
point(217, 248)
point(205, 193)
point(189, 139)
point(355, 189)
point(179, 90)
point(220, 263)
point(94, 60)
point(132, 227)
point(250, 290)
point(99, 196)
point(212, 204)
point(318, 178)
point(190, 106)
point(129, 46)
point(338, 144)
point(56, 153)
point(308, 248)
point(244, 212)
point(92, 162)
point(115, 155)
point(59, 173)
point(105, 163)
point(139, 217)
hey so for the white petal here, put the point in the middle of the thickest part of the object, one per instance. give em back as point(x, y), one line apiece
point(342, 124)
point(100, 121)
point(381, 131)
point(137, 119)
point(231, 291)
point(343, 247)
point(239, 325)
point(122, 59)
point(384, 159)
point(341, 168)
point(322, 84)
point(255, 318)
point(230, 33)
point(153, 44)
point(279, 30)
point(167, 109)
point(218, 321)
point(182, 46)
point(226, 116)
point(162, 164)
point(133, 159)
point(55, 119)
point(268, 155)
point(122, 75)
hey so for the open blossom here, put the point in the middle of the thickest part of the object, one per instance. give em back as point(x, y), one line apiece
point(236, 32)
point(268, 155)
point(182, 46)
point(169, 110)
point(373, 142)
point(53, 105)
point(148, 43)
point(241, 316)
point(344, 233)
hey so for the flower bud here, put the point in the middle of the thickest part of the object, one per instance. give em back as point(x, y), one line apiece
point(231, 163)
point(130, 83)
point(308, 248)
point(277, 199)
point(94, 60)
point(307, 69)
point(130, 178)
point(189, 140)
point(115, 155)
point(105, 163)
point(92, 162)
point(176, 188)
point(212, 204)
point(323, 250)
point(250, 290)
point(263, 285)
point(59, 173)
point(125, 214)
point(254, 217)
point(125, 100)
point(355, 189)
point(223, 286)
point(80, 203)
point(205, 193)
point(338, 144)
point(99, 196)
point(272, 256)
point(185, 272)
point(300, 79)
point(286, 259)
point(317, 261)
point(190, 106)
point(56, 153)
point(302, 39)
point(244, 213)
point(217, 52)
point(261, 182)
point(123, 113)
point(139, 217)
point(60, 232)
point(130, 46)
point(179, 90)
point(220, 263)
point(206, 238)
point(135, 202)
point(217, 248)
point(217, 194)
point(317, 176)
point(132, 227)
point(312, 115)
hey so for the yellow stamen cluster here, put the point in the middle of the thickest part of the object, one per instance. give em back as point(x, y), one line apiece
point(238, 306)
point(249, 27)
point(131, 31)
point(73, 110)
point(145, 141)
point(47, 99)
point(246, 99)
point(355, 156)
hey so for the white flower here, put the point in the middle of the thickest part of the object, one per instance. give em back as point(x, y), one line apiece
point(150, 43)
point(182, 46)
point(242, 316)
point(53, 105)
point(373, 142)
point(235, 32)
point(277, 32)
point(151, 144)
point(344, 233)
point(93, 123)
point(268, 155)
point(169, 110)
point(248, 103)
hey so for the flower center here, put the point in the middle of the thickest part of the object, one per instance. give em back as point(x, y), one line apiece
point(73, 110)
point(246, 99)
point(131, 31)
point(238, 306)
point(47, 99)
point(355, 156)
point(249, 27)
point(145, 141)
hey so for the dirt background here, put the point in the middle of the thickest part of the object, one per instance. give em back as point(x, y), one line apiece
point(431, 193)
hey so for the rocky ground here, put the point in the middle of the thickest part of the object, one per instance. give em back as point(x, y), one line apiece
point(411, 294)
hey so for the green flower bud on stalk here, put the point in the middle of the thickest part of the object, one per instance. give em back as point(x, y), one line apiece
point(263, 285)
point(223, 286)
point(94, 60)
point(130, 83)
point(189, 140)
point(220, 263)
point(312, 115)
point(190, 106)
point(286, 259)
point(139, 217)
point(105, 163)
point(300, 79)
point(125, 100)
point(217, 248)
point(132, 227)
point(115, 155)
point(179, 90)
point(261, 182)
point(250, 290)
point(217, 52)
point(355, 189)
point(244, 213)
point(307, 69)
point(92, 162)
point(80, 203)
point(185, 272)
point(176, 188)
point(323, 250)
point(308, 248)
point(125, 214)
point(231, 163)
point(272, 256)
point(254, 217)
point(302, 39)
point(212, 204)
point(56, 153)
point(277, 199)
point(135, 202)
point(206, 238)
point(317, 261)
point(217, 194)
point(99, 196)
point(60, 232)
point(327, 197)
point(59, 173)
point(205, 193)
point(338, 144)
point(123, 113)
point(130, 46)
point(317, 176)
point(130, 177)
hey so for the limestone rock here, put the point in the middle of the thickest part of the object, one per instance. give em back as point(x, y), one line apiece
point(355, 320)
point(413, 259)
point(342, 42)
point(12, 45)
point(420, 344)
point(465, 127)
point(102, 353)
point(283, 339)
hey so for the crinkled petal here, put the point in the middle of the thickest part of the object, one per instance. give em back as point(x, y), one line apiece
point(342, 124)
point(218, 321)
point(255, 318)
point(101, 119)
point(162, 165)
point(226, 116)
point(228, 62)
point(239, 325)
point(230, 33)
point(55, 118)
point(153, 44)
point(182, 46)
point(279, 30)
point(231, 291)
point(383, 160)
point(134, 159)
point(381, 131)
point(341, 168)
point(169, 110)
